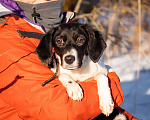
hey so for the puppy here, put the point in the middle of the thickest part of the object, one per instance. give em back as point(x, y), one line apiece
point(78, 49)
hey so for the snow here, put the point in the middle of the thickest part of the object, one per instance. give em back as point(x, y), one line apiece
point(136, 91)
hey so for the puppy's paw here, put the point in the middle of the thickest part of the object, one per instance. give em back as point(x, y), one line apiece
point(120, 117)
point(106, 104)
point(74, 91)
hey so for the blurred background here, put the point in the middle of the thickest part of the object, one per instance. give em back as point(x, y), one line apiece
point(125, 25)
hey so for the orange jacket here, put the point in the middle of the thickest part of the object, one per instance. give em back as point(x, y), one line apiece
point(21, 76)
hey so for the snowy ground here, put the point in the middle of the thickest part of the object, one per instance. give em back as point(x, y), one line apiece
point(136, 91)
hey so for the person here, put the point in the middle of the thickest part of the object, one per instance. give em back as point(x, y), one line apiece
point(22, 22)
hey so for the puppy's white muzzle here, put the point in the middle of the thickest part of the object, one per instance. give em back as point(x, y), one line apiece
point(70, 59)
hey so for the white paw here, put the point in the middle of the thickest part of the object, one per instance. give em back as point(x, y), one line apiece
point(106, 104)
point(74, 91)
point(120, 117)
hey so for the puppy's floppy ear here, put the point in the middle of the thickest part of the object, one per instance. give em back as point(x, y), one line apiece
point(44, 49)
point(96, 43)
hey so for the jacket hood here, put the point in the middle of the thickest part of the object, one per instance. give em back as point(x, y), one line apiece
point(10, 6)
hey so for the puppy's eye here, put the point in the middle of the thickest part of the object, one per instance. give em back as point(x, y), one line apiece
point(80, 41)
point(60, 42)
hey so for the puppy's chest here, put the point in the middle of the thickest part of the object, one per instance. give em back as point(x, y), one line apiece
point(89, 70)
point(79, 77)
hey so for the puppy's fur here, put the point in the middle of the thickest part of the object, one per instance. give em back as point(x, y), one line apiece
point(78, 49)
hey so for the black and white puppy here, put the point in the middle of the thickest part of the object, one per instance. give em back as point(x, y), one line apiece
point(78, 49)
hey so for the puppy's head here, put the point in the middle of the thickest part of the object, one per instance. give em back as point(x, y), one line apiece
point(71, 42)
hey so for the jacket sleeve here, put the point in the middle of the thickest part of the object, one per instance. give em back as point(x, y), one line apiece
point(21, 76)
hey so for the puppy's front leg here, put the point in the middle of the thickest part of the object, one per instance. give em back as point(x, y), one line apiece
point(105, 100)
point(73, 89)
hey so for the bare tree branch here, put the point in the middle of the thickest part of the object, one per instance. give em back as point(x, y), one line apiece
point(77, 6)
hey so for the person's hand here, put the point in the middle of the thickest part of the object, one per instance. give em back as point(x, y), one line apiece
point(35, 1)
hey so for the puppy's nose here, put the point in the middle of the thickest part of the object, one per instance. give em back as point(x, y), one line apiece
point(69, 59)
